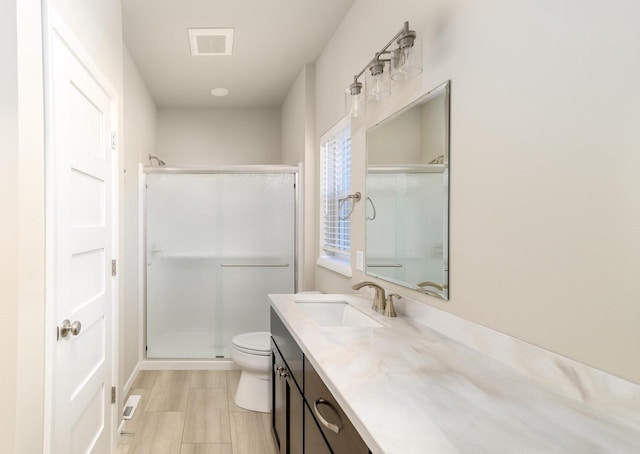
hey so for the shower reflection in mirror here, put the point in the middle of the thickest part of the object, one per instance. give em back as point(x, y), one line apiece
point(407, 194)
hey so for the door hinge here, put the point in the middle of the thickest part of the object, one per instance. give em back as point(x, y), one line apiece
point(113, 394)
point(113, 267)
point(114, 140)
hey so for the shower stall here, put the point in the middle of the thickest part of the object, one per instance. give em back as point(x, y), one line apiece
point(217, 243)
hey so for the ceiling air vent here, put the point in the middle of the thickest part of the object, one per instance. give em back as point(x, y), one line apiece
point(211, 41)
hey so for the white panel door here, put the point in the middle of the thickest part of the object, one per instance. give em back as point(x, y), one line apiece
point(81, 200)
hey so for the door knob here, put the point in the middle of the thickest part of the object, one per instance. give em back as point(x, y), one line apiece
point(68, 327)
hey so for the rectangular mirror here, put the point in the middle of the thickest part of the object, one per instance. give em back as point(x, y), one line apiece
point(407, 204)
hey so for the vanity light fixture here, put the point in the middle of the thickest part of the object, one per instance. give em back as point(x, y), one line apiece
point(354, 99)
point(377, 80)
point(405, 62)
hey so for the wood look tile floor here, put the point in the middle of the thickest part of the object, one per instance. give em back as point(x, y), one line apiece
point(192, 412)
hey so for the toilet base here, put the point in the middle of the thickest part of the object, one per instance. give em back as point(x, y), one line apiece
point(254, 392)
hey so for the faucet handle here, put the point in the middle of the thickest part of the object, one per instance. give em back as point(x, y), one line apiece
point(378, 299)
point(389, 310)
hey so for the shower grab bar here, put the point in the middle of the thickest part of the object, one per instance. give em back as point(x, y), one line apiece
point(254, 265)
point(385, 265)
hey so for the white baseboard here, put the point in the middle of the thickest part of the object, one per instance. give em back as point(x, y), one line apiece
point(132, 378)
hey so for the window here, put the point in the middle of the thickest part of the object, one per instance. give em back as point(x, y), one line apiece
point(335, 184)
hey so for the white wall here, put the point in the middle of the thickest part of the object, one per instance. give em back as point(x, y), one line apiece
point(545, 102)
point(209, 137)
point(140, 117)
point(298, 139)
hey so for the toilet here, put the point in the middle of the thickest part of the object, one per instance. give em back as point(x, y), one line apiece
point(252, 352)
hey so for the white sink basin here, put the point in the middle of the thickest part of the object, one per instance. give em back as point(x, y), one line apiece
point(337, 313)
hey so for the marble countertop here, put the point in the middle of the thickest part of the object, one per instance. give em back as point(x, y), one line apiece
point(409, 389)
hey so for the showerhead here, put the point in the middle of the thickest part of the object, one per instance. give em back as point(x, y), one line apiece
point(159, 161)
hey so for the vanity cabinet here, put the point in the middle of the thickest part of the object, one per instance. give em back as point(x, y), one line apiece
point(305, 417)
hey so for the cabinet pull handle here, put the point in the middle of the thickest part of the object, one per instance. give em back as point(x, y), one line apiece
point(332, 427)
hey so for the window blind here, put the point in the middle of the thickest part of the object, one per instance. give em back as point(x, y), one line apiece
point(336, 184)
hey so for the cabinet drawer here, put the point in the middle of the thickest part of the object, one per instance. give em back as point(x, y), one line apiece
point(314, 442)
point(336, 427)
point(288, 348)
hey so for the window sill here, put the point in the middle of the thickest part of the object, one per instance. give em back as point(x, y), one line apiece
point(335, 265)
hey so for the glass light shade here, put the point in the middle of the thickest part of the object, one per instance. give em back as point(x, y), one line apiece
point(378, 86)
point(355, 104)
point(406, 63)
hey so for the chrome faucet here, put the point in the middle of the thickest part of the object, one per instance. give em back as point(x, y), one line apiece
point(379, 298)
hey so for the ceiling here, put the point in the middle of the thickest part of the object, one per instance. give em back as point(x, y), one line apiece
point(273, 39)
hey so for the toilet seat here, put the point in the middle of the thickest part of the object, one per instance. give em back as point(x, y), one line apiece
point(258, 343)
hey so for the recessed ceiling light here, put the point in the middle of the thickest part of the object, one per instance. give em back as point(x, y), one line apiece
point(219, 92)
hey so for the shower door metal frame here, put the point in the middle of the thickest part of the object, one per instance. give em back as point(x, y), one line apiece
point(297, 172)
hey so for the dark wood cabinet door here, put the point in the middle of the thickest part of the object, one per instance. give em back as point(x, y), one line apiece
point(278, 401)
point(314, 442)
point(288, 348)
point(286, 407)
point(295, 426)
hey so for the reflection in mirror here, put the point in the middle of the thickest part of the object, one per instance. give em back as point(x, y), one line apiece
point(407, 201)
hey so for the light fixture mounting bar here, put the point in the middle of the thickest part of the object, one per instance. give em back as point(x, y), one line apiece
point(403, 30)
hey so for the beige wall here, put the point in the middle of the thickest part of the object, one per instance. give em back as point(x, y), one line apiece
point(9, 223)
point(545, 232)
point(140, 117)
point(293, 111)
point(31, 219)
point(98, 26)
point(298, 139)
point(21, 227)
point(209, 137)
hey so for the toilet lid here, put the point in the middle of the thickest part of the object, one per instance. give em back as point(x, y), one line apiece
point(258, 343)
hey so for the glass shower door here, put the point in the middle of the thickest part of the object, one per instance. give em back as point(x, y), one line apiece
point(256, 239)
point(217, 244)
